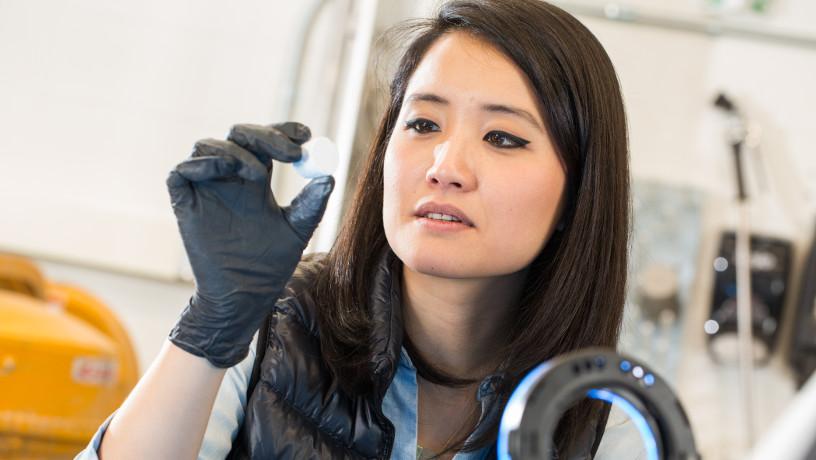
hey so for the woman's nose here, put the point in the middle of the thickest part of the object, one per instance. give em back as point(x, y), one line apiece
point(451, 167)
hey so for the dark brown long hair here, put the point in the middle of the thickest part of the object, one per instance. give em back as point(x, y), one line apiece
point(574, 293)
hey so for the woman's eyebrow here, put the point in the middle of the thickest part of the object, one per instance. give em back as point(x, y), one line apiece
point(427, 97)
point(501, 108)
point(496, 108)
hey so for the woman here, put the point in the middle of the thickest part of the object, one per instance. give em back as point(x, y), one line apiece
point(488, 234)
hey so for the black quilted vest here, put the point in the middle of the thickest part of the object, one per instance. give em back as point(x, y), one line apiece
point(294, 408)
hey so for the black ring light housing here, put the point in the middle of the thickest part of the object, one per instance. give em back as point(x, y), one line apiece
point(539, 401)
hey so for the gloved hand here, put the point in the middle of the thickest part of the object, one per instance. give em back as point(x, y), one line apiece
point(242, 246)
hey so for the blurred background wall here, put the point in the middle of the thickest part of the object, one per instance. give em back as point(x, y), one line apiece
point(100, 100)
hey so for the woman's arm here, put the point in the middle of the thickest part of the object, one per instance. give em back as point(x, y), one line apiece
point(166, 414)
point(226, 417)
point(243, 248)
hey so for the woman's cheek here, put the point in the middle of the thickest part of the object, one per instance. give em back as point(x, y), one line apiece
point(397, 192)
point(402, 171)
point(527, 213)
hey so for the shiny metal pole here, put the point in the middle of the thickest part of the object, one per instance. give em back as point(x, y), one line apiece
point(744, 319)
point(739, 134)
point(743, 268)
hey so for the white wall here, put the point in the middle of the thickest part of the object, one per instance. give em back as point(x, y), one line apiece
point(670, 78)
point(99, 100)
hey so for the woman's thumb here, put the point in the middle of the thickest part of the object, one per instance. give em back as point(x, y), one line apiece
point(306, 210)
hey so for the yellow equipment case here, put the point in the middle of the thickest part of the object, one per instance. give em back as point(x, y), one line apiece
point(66, 363)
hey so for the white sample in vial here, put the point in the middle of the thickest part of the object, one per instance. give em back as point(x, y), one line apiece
point(319, 158)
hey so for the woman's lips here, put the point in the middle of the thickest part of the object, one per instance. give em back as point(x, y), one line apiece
point(444, 209)
point(441, 225)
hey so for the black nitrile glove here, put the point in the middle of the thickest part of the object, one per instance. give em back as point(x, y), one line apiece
point(242, 246)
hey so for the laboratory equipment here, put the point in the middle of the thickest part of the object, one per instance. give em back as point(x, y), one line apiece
point(770, 272)
point(66, 363)
point(543, 395)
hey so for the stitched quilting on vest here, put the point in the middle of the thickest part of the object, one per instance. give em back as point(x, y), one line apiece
point(294, 411)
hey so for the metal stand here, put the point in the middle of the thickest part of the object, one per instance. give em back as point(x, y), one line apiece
point(744, 320)
point(743, 268)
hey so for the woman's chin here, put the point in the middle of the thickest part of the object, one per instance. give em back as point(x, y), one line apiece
point(447, 261)
point(444, 258)
point(437, 269)
point(441, 264)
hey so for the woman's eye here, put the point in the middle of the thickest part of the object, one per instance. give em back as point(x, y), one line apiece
point(504, 140)
point(421, 125)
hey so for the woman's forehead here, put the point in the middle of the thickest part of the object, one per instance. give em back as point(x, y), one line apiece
point(464, 69)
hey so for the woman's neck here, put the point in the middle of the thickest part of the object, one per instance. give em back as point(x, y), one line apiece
point(459, 324)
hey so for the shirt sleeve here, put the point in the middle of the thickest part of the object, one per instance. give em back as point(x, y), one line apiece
point(90, 452)
point(228, 411)
point(621, 439)
point(225, 419)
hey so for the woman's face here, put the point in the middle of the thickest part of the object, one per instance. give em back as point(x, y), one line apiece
point(469, 145)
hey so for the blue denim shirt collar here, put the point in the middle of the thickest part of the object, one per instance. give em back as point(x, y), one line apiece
point(400, 406)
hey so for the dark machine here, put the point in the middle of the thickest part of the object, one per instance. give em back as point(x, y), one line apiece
point(770, 273)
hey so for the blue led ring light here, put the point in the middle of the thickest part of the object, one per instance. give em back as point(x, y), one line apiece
point(648, 435)
point(541, 398)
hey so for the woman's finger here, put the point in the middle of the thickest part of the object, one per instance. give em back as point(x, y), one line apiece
point(181, 192)
point(307, 208)
point(296, 132)
point(201, 169)
point(248, 166)
point(266, 142)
